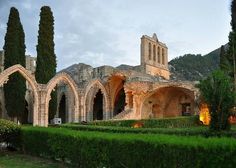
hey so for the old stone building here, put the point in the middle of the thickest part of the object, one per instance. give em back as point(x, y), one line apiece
point(129, 92)
point(102, 93)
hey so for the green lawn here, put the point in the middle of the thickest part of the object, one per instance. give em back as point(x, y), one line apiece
point(16, 160)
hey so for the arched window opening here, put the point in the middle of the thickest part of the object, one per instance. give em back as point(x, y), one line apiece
point(52, 105)
point(98, 106)
point(119, 105)
point(163, 56)
point(154, 52)
point(25, 114)
point(62, 109)
point(149, 51)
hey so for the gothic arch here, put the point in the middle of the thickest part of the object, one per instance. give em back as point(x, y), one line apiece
point(30, 78)
point(88, 102)
point(158, 101)
point(51, 85)
point(116, 84)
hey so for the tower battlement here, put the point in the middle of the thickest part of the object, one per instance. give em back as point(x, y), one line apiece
point(154, 56)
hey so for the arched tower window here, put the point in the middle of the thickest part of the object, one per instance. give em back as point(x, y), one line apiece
point(163, 56)
point(149, 51)
point(158, 55)
point(154, 52)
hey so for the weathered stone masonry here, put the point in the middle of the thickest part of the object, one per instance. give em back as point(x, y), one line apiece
point(86, 93)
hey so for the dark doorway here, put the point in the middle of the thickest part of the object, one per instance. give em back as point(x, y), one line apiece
point(62, 109)
point(98, 106)
point(25, 114)
point(119, 104)
point(186, 110)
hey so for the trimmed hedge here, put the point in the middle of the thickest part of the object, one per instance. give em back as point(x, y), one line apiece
point(96, 149)
point(178, 122)
point(9, 132)
point(192, 131)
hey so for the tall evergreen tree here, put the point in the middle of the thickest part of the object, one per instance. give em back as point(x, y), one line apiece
point(224, 65)
point(14, 52)
point(232, 43)
point(46, 58)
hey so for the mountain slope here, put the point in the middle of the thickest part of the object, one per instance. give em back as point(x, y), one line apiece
point(194, 67)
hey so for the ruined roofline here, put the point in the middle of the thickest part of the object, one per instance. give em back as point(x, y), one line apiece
point(152, 39)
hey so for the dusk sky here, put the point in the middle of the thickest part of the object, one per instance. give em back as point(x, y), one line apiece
point(108, 32)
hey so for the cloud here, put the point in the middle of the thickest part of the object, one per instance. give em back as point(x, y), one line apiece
point(99, 32)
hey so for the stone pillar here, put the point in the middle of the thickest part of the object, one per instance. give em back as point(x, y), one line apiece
point(43, 116)
point(128, 100)
point(137, 105)
point(77, 117)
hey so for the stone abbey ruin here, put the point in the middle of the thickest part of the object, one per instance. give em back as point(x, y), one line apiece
point(85, 93)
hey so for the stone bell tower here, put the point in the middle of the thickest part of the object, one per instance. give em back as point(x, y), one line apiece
point(154, 56)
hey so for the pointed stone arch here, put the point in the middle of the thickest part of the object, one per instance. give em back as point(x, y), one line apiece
point(62, 77)
point(92, 88)
point(4, 76)
point(165, 96)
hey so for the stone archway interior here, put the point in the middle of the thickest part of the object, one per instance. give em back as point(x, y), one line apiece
point(119, 104)
point(52, 104)
point(168, 102)
point(98, 106)
point(31, 81)
point(62, 109)
point(25, 114)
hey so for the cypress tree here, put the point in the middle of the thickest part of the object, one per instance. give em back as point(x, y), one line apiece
point(46, 58)
point(14, 49)
point(224, 64)
point(230, 56)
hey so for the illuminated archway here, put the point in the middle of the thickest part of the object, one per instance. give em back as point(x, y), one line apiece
point(168, 102)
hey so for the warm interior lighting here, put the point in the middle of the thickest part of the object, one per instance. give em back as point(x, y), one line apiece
point(204, 115)
point(137, 124)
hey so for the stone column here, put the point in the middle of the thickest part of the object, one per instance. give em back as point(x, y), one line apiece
point(128, 100)
point(137, 105)
point(77, 116)
point(43, 116)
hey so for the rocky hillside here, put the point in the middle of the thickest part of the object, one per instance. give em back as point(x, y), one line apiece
point(194, 67)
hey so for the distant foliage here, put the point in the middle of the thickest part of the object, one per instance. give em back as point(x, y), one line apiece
point(14, 48)
point(194, 67)
point(217, 91)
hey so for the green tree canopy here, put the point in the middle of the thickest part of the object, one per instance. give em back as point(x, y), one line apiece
point(14, 52)
point(217, 91)
point(46, 58)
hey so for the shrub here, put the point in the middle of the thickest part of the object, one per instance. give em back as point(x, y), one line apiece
point(96, 149)
point(9, 132)
point(191, 131)
point(178, 122)
point(217, 91)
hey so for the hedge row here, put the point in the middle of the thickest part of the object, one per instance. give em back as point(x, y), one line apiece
point(179, 122)
point(9, 131)
point(191, 131)
point(97, 149)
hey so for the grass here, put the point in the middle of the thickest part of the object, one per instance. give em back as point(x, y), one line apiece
point(17, 160)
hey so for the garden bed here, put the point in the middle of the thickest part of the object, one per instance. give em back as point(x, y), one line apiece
point(105, 149)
